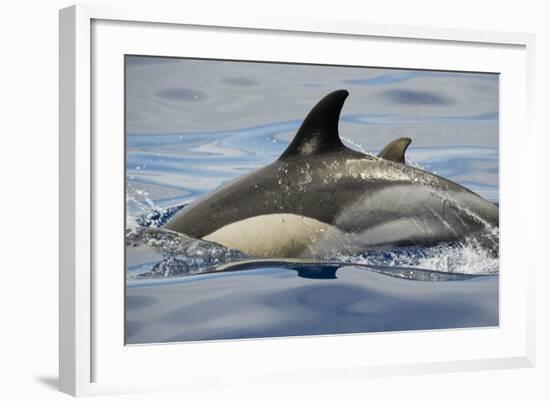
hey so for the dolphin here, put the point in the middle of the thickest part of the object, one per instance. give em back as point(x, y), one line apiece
point(321, 198)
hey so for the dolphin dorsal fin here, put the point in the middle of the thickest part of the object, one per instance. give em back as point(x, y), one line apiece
point(395, 150)
point(319, 131)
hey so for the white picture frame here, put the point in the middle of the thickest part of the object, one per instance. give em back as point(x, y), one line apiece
point(93, 358)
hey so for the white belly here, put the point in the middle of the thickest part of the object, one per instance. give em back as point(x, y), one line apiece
point(275, 235)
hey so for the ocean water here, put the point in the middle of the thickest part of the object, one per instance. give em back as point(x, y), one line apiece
point(193, 126)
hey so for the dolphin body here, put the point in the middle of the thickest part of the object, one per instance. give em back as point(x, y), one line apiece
point(320, 198)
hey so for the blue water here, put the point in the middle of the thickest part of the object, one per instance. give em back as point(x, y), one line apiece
point(193, 126)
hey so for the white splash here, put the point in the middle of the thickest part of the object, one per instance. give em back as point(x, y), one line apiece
point(464, 258)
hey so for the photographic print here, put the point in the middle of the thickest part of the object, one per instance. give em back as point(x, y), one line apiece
point(280, 199)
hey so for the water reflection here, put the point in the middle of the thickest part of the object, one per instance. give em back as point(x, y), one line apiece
point(267, 303)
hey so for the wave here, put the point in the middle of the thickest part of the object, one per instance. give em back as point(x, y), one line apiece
point(463, 258)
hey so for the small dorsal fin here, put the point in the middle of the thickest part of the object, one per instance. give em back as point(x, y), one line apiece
point(319, 131)
point(395, 150)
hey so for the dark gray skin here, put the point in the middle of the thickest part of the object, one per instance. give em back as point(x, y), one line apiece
point(375, 202)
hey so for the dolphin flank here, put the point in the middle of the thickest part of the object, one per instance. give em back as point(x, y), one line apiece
point(321, 198)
